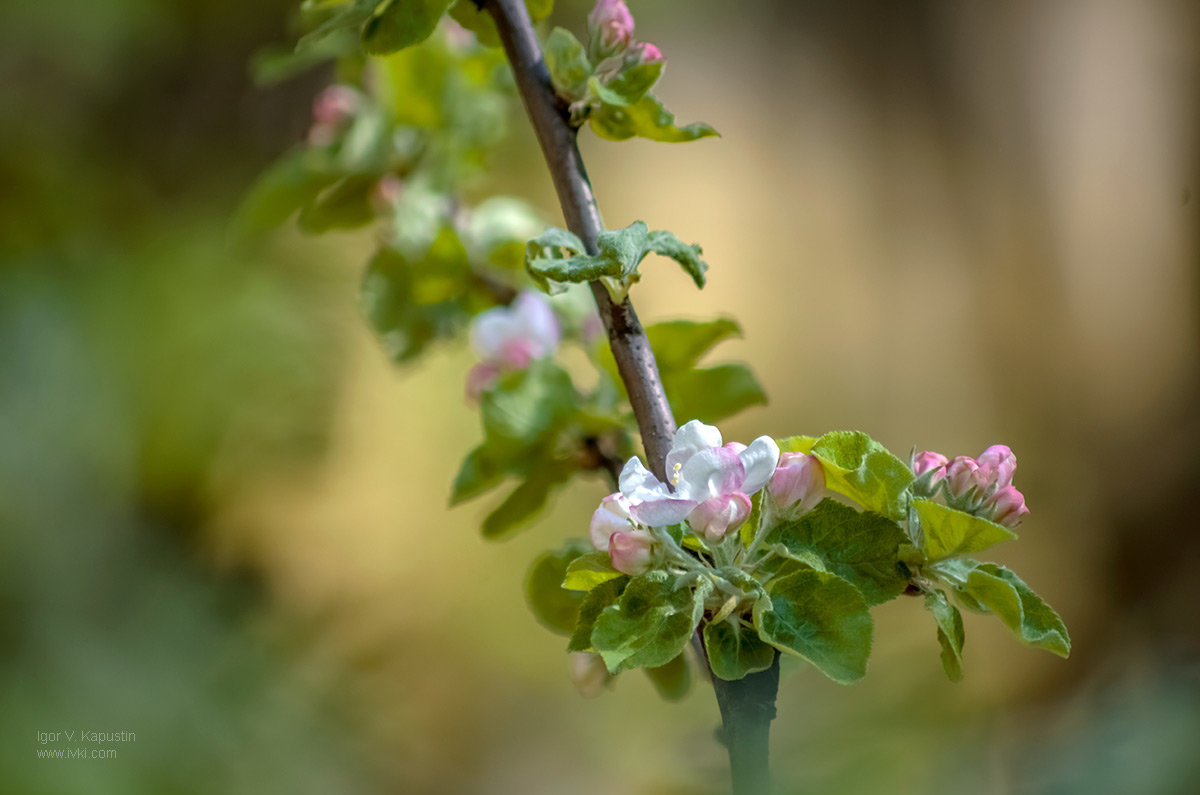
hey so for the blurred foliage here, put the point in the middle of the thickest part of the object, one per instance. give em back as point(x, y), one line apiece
point(1025, 157)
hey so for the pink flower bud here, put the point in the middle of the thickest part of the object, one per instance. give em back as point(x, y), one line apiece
point(611, 24)
point(588, 673)
point(1007, 506)
point(927, 461)
point(332, 108)
point(611, 517)
point(388, 190)
point(962, 477)
point(480, 379)
point(716, 516)
point(647, 53)
point(631, 551)
point(1000, 463)
point(798, 482)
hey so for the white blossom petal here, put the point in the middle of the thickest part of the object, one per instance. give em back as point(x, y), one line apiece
point(638, 484)
point(537, 322)
point(759, 460)
point(710, 473)
point(663, 511)
point(693, 437)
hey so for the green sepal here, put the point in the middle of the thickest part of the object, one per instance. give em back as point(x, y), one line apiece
point(948, 532)
point(567, 62)
point(860, 468)
point(646, 118)
point(595, 602)
point(673, 680)
point(651, 623)
point(950, 633)
point(396, 24)
point(557, 257)
point(735, 650)
point(588, 571)
point(820, 617)
point(554, 607)
point(859, 547)
point(990, 589)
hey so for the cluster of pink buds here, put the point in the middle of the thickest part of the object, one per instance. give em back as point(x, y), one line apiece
point(333, 109)
point(611, 28)
point(510, 338)
point(982, 486)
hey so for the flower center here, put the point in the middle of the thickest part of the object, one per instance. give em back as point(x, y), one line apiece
point(675, 474)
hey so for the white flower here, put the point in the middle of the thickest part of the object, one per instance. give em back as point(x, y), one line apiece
point(712, 482)
point(509, 338)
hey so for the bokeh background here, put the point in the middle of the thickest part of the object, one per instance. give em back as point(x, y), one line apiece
point(222, 511)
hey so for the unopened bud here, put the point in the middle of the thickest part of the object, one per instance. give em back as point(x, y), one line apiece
point(631, 551)
point(610, 25)
point(1000, 463)
point(798, 482)
point(1007, 506)
point(716, 516)
point(588, 673)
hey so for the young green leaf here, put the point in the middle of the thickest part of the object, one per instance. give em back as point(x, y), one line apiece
point(345, 205)
point(651, 623)
point(950, 532)
point(950, 633)
point(1005, 594)
point(594, 603)
point(673, 680)
point(567, 61)
point(525, 502)
point(735, 650)
point(820, 617)
point(633, 83)
point(396, 24)
point(713, 393)
point(863, 470)
point(346, 16)
point(480, 472)
point(555, 608)
point(646, 118)
point(589, 570)
point(861, 548)
point(525, 405)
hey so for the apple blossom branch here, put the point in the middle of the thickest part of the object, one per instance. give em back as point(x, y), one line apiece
point(627, 338)
point(747, 705)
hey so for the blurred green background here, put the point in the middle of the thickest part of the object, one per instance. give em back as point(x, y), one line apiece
point(222, 521)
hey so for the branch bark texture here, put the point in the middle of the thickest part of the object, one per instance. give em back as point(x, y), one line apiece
point(747, 705)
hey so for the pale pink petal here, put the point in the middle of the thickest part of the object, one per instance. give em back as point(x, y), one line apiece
point(604, 523)
point(798, 482)
point(631, 551)
point(638, 484)
point(1001, 462)
point(588, 673)
point(537, 323)
point(662, 511)
point(479, 379)
point(715, 517)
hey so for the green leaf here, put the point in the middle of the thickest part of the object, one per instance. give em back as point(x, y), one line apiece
point(396, 24)
point(861, 548)
point(480, 472)
point(646, 118)
point(820, 617)
point(673, 680)
point(950, 632)
point(554, 257)
point(677, 344)
point(347, 15)
point(714, 393)
point(687, 255)
point(285, 187)
point(467, 14)
point(525, 502)
point(523, 406)
point(1003, 593)
point(567, 61)
point(346, 205)
point(863, 470)
point(588, 571)
point(631, 85)
point(735, 650)
point(554, 607)
point(797, 444)
point(594, 603)
point(949, 532)
point(651, 623)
